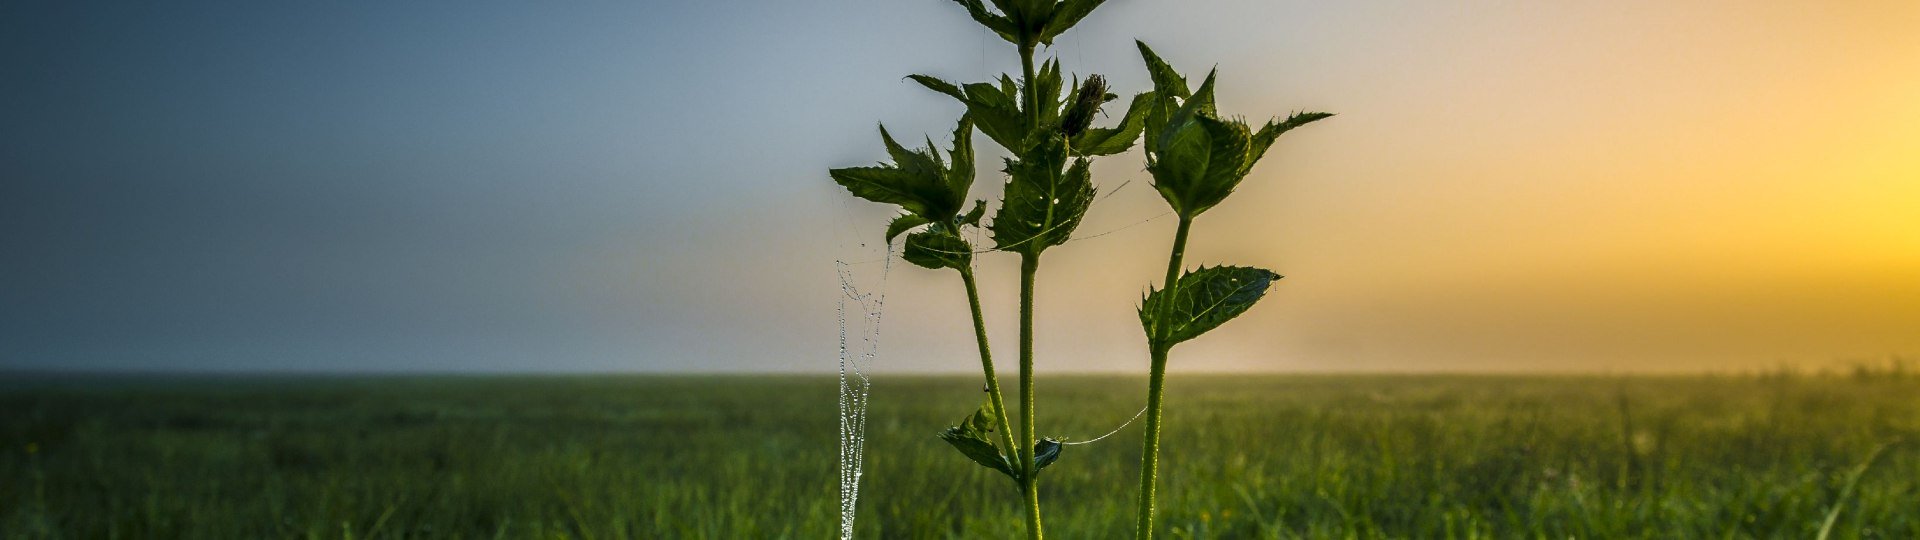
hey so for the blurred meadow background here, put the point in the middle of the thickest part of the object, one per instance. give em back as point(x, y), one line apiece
point(1767, 455)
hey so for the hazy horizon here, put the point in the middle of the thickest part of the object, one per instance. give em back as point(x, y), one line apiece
point(1508, 188)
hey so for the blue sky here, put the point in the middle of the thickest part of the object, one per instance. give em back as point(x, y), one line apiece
point(506, 186)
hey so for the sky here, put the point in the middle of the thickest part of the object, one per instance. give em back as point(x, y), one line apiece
point(640, 186)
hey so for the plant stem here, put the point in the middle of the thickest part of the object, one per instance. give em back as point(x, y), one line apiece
point(1033, 99)
point(1029, 264)
point(986, 359)
point(1150, 450)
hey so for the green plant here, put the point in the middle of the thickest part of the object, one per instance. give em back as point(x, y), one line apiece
point(1045, 123)
point(1196, 159)
point(1050, 138)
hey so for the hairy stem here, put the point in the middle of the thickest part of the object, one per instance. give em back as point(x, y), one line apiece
point(986, 359)
point(1029, 264)
point(1027, 91)
point(1150, 450)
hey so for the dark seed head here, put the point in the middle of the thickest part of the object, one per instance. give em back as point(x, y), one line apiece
point(1080, 113)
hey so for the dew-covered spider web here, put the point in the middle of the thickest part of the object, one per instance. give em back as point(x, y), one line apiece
point(859, 311)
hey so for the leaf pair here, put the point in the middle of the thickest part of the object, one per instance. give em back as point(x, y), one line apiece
point(1027, 22)
point(1196, 158)
point(1201, 300)
point(970, 438)
point(929, 189)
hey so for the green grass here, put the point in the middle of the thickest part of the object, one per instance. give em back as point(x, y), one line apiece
point(753, 457)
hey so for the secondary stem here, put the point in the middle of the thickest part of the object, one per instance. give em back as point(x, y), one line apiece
point(1029, 264)
point(986, 358)
point(1150, 450)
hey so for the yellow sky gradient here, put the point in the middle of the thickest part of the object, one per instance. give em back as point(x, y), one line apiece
point(1514, 186)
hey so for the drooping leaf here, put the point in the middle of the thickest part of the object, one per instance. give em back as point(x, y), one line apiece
point(998, 24)
point(904, 223)
point(970, 438)
point(1117, 139)
point(936, 249)
point(1042, 203)
point(1065, 16)
point(1045, 452)
point(1202, 300)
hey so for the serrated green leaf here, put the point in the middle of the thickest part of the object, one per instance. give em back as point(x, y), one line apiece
point(970, 438)
point(1166, 82)
point(996, 110)
point(1117, 139)
point(959, 175)
point(933, 249)
point(1042, 203)
point(1046, 86)
point(938, 85)
point(1045, 453)
point(892, 186)
point(1258, 145)
point(1198, 104)
point(1202, 300)
point(998, 24)
point(914, 163)
point(1065, 16)
point(918, 180)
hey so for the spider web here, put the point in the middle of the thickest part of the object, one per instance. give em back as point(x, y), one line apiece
point(859, 344)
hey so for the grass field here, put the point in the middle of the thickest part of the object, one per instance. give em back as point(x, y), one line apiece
point(754, 457)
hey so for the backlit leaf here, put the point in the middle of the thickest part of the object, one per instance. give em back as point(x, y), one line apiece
point(1065, 16)
point(1042, 203)
point(1202, 300)
point(1265, 137)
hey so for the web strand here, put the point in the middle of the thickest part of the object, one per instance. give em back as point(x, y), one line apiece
point(855, 361)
